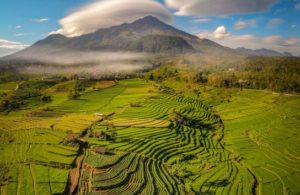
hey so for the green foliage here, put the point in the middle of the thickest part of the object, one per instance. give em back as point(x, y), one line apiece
point(6, 76)
point(8, 105)
point(3, 174)
point(200, 77)
point(162, 73)
point(280, 74)
point(276, 74)
point(46, 98)
point(16, 100)
point(75, 92)
point(151, 77)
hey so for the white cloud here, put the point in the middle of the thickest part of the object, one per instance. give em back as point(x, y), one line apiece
point(297, 6)
point(274, 22)
point(242, 24)
point(217, 7)
point(107, 13)
point(202, 20)
point(8, 47)
point(251, 41)
point(221, 32)
point(40, 20)
point(293, 26)
point(18, 27)
point(11, 44)
point(21, 34)
point(293, 41)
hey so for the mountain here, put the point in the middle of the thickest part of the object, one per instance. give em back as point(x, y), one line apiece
point(143, 35)
point(262, 52)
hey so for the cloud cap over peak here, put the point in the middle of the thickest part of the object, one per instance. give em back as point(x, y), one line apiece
point(106, 13)
point(217, 7)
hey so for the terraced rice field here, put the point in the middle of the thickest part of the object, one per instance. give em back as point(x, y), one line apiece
point(37, 162)
point(263, 127)
point(161, 142)
point(154, 154)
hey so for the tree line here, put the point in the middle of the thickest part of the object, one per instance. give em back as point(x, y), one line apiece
point(276, 74)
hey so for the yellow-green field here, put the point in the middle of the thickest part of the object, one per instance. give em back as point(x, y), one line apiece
point(138, 137)
point(263, 128)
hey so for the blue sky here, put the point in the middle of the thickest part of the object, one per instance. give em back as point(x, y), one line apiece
point(273, 24)
point(284, 9)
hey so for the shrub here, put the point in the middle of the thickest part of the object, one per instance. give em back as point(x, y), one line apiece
point(3, 174)
point(46, 98)
point(73, 95)
point(134, 104)
point(9, 105)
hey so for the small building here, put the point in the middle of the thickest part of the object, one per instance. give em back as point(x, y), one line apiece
point(134, 104)
point(100, 150)
point(98, 114)
point(102, 135)
point(71, 137)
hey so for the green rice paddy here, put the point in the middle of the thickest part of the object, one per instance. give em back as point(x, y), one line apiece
point(163, 142)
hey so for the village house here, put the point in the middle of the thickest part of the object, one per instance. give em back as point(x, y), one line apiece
point(100, 150)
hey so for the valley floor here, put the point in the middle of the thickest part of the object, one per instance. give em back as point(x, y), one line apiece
point(136, 137)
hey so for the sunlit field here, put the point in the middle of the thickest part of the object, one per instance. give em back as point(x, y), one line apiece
point(150, 97)
point(134, 136)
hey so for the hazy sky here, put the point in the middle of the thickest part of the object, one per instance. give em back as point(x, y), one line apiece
point(254, 24)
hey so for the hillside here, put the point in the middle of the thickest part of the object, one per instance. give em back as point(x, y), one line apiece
point(262, 52)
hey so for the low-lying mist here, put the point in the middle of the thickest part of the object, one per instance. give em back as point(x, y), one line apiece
point(49, 56)
point(84, 62)
point(95, 70)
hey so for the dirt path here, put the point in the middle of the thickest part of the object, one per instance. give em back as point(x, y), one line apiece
point(73, 186)
point(90, 183)
point(74, 176)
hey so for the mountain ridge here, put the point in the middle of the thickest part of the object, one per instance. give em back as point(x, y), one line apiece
point(262, 52)
point(148, 34)
point(145, 35)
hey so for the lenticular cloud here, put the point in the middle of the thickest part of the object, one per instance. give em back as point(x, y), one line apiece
point(206, 8)
point(107, 13)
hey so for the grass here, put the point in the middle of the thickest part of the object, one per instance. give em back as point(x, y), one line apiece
point(62, 87)
point(8, 87)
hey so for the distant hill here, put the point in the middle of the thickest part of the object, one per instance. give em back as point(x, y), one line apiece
point(262, 52)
